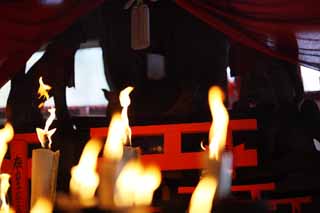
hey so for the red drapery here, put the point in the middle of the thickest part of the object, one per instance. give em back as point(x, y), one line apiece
point(287, 29)
point(26, 25)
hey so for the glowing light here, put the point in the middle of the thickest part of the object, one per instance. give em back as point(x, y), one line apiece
point(202, 146)
point(220, 120)
point(84, 178)
point(44, 135)
point(4, 186)
point(6, 135)
point(42, 205)
point(113, 148)
point(125, 102)
point(43, 91)
point(135, 184)
point(202, 197)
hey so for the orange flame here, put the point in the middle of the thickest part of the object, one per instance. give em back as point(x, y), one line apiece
point(4, 186)
point(219, 127)
point(202, 197)
point(125, 102)
point(43, 91)
point(135, 184)
point(42, 205)
point(44, 135)
point(113, 148)
point(6, 135)
point(84, 178)
point(119, 132)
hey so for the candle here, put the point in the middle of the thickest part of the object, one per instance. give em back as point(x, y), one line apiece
point(216, 182)
point(221, 170)
point(114, 153)
point(44, 170)
point(220, 161)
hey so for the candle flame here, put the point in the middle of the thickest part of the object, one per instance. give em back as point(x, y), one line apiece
point(125, 102)
point(202, 197)
point(117, 137)
point(84, 178)
point(220, 120)
point(202, 146)
point(135, 184)
point(119, 132)
point(42, 205)
point(6, 135)
point(43, 91)
point(4, 186)
point(44, 135)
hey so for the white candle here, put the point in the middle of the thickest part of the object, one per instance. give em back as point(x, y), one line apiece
point(221, 170)
point(44, 174)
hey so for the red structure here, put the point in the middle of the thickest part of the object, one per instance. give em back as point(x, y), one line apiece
point(19, 164)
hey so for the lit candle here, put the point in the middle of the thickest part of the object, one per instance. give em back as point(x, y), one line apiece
point(45, 163)
point(115, 154)
point(220, 162)
point(216, 182)
point(6, 135)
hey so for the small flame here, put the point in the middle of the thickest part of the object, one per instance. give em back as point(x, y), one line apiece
point(43, 91)
point(202, 197)
point(42, 205)
point(4, 186)
point(135, 184)
point(202, 146)
point(6, 135)
point(125, 102)
point(84, 178)
point(44, 135)
point(219, 127)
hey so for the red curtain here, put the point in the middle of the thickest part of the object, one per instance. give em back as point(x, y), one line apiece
point(27, 25)
point(286, 29)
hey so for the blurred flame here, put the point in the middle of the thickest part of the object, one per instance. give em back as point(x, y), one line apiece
point(220, 120)
point(4, 186)
point(125, 102)
point(202, 197)
point(44, 134)
point(113, 148)
point(43, 91)
point(84, 178)
point(6, 135)
point(135, 184)
point(42, 205)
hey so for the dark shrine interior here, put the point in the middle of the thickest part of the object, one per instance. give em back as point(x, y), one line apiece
point(193, 55)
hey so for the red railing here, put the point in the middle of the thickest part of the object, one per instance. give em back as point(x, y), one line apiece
point(172, 158)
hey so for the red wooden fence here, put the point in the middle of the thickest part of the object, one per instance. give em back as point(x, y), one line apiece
point(19, 165)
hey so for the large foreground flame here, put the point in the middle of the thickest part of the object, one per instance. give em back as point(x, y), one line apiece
point(202, 197)
point(84, 178)
point(135, 184)
point(43, 91)
point(42, 205)
point(4, 186)
point(219, 127)
point(6, 135)
point(45, 135)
